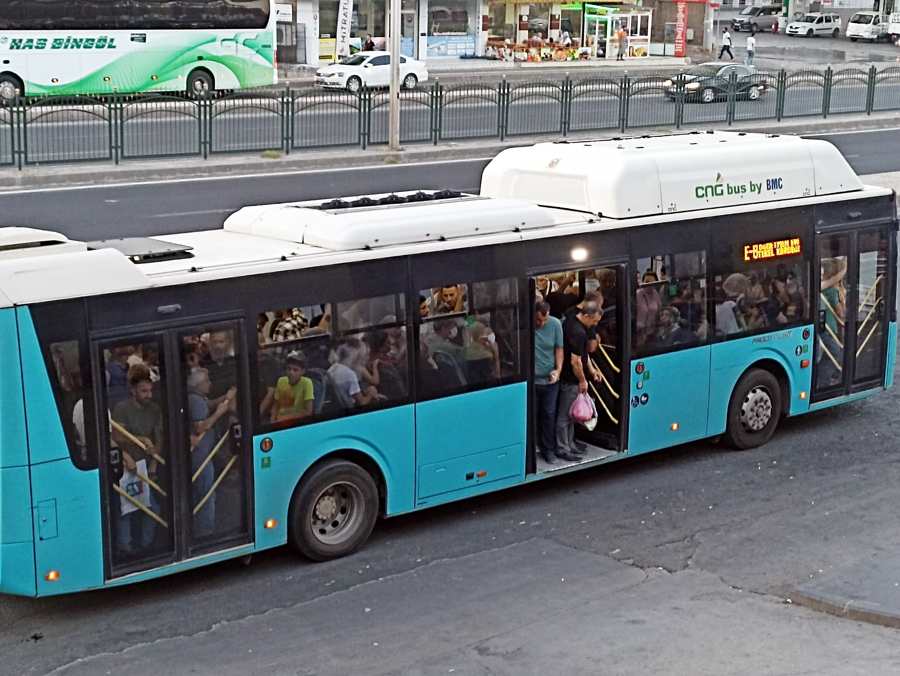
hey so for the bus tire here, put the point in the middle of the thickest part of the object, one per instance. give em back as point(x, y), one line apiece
point(754, 410)
point(333, 510)
point(196, 81)
point(9, 83)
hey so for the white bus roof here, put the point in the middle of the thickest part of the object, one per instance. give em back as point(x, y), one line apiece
point(626, 178)
point(546, 190)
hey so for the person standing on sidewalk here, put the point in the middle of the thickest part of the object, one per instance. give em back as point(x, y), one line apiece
point(726, 45)
point(623, 45)
point(751, 49)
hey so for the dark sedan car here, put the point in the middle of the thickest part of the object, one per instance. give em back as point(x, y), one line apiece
point(709, 82)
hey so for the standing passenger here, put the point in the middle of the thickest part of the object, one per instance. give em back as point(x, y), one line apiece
point(548, 361)
point(575, 370)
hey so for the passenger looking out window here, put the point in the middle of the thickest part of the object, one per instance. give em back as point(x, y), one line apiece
point(347, 383)
point(293, 397)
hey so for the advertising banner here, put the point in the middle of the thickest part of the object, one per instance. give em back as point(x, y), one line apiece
point(344, 23)
point(680, 29)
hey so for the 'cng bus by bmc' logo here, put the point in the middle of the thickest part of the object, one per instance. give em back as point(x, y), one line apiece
point(721, 188)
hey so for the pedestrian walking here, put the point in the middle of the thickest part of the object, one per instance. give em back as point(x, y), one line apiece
point(751, 49)
point(726, 44)
point(623, 45)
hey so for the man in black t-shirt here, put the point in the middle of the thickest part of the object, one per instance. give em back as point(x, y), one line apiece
point(576, 369)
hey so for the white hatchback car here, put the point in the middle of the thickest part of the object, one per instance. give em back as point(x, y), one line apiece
point(370, 69)
point(814, 24)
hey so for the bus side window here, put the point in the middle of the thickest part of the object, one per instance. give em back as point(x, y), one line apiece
point(315, 363)
point(70, 390)
point(670, 301)
point(468, 336)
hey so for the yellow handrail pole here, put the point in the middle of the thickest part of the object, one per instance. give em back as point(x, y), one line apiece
point(137, 442)
point(831, 309)
point(609, 361)
point(216, 484)
point(210, 456)
point(873, 287)
point(151, 483)
point(597, 394)
point(149, 512)
point(834, 335)
point(868, 316)
point(830, 356)
point(861, 347)
point(605, 381)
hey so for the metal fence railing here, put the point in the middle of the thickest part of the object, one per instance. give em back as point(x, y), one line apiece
point(58, 129)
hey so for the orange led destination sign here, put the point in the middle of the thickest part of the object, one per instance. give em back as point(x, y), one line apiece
point(782, 247)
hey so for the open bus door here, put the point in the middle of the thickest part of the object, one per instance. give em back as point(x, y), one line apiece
point(176, 481)
point(851, 307)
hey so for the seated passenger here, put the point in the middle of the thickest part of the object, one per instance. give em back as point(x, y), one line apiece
point(294, 395)
point(346, 382)
point(726, 321)
point(481, 354)
point(444, 338)
point(671, 332)
point(389, 383)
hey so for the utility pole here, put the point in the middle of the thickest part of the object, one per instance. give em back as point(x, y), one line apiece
point(394, 48)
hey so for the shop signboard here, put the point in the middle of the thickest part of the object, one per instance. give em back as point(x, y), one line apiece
point(284, 13)
point(680, 29)
point(451, 45)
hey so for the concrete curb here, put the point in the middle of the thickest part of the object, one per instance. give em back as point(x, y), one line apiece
point(317, 160)
point(848, 609)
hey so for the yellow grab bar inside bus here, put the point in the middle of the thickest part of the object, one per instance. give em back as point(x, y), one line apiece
point(216, 484)
point(830, 356)
point(146, 510)
point(210, 456)
point(137, 442)
point(597, 394)
point(871, 333)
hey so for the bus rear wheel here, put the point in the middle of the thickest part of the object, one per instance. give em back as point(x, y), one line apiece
point(333, 511)
point(754, 410)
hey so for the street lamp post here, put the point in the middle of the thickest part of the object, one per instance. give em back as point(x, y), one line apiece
point(394, 48)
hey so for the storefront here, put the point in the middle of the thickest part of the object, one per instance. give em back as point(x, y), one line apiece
point(428, 28)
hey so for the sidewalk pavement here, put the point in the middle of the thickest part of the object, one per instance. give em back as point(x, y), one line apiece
point(867, 591)
point(48, 176)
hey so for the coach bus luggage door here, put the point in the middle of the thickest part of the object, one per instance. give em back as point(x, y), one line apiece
point(851, 311)
point(176, 482)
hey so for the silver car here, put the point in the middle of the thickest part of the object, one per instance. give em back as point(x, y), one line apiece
point(756, 18)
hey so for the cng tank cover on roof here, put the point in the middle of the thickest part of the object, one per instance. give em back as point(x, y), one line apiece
point(624, 178)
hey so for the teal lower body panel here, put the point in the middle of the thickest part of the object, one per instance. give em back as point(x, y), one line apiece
point(784, 350)
point(17, 569)
point(891, 355)
point(386, 437)
point(470, 443)
point(73, 545)
point(668, 400)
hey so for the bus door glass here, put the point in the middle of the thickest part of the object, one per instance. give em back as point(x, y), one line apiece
point(176, 480)
point(851, 315)
point(564, 294)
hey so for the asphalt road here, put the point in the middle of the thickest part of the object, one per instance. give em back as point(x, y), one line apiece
point(100, 212)
point(680, 562)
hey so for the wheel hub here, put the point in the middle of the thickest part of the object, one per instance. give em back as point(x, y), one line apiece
point(756, 410)
point(326, 508)
point(7, 90)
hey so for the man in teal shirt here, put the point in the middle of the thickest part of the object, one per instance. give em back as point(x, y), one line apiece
point(548, 358)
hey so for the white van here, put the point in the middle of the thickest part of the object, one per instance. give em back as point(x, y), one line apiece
point(893, 29)
point(867, 26)
point(815, 24)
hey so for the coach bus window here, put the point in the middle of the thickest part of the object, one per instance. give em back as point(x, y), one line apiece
point(759, 285)
point(670, 302)
point(312, 367)
point(469, 335)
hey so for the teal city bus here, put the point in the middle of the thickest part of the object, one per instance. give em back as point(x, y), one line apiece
point(171, 402)
point(106, 46)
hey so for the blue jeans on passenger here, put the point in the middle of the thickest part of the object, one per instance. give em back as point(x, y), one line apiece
point(750, 55)
point(829, 374)
point(143, 523)
point(205, 518)
point(545, 397)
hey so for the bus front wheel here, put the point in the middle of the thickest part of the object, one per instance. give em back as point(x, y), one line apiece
point(198, 81)
point(333, 511)
point(9, 84)
point(754, 410)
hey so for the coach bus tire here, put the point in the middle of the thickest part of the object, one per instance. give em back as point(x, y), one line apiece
point(333, 511)
point(754, 410)
point(196, 81)
point(9, 83)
